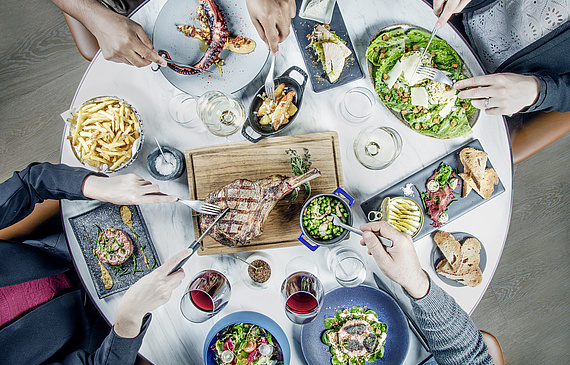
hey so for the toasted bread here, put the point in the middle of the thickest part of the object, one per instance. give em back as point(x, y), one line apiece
point(468, 272)
point(475, 161)
point(450, 248)
point(488, 183)
point(470, 250)
point(472, 278)
point(468, 184)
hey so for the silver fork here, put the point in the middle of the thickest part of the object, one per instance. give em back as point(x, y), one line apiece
point(337, 222)
point(269, 83)
point(434, 74)
point(201, 207)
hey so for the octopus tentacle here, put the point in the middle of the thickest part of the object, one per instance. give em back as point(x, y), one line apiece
point(218, 36)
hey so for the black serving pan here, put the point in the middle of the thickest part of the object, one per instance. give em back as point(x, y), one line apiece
point(252, 121)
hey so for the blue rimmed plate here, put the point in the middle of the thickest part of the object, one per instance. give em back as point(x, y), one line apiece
point(389, 312)
point(247, 317)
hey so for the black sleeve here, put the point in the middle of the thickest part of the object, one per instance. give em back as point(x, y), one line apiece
point(34, 184)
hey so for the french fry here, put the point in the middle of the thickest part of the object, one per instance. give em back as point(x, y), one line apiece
point(103, 132)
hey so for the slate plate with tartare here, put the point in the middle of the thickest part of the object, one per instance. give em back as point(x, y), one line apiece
point(129, 272)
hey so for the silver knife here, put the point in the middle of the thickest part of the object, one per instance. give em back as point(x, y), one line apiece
point(194, 245)
point(433, 32)
point(412, 324)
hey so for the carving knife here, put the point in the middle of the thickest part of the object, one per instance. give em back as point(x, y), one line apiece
point(412, 324)
point(194, 245)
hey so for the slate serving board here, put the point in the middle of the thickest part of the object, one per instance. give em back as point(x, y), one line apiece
point(419, 178)
point(108, 216)
point(319, 80)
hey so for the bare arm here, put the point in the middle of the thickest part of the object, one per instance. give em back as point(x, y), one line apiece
point(121, 39)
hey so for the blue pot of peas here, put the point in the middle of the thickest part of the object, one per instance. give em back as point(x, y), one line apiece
point(316, 218)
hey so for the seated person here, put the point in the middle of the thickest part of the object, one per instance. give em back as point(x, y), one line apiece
point(43, 318)
point(523, 54)
point(451, 335)
point(123, 40)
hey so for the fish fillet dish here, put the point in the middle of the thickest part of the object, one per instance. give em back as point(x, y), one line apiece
point(250, 203)
point(355, 336)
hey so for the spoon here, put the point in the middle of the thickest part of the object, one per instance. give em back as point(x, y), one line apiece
point(162, 152)
point(255, 267)
point(337, 222)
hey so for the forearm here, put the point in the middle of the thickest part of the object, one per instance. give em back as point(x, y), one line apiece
point(90, 13)
point(34, 184)
point(450, 332)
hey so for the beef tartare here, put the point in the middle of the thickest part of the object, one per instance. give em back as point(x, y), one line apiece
point(439, 194)
point(113, 246)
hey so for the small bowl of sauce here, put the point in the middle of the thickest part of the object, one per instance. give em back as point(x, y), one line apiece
point(259, 276)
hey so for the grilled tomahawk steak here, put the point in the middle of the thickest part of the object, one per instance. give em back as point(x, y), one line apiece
point(250, 203)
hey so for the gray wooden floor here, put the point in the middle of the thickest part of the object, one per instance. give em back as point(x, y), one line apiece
point(527, 305)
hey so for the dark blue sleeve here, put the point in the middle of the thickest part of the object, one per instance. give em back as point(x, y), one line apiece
point(554, 93)
point(113, 350)
point(477, 4)
point(34, 184)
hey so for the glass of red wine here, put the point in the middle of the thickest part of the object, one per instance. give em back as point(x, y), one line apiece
point(208, 292)
point(302, 293)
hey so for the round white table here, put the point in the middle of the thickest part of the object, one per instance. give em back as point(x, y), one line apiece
point(171, 339)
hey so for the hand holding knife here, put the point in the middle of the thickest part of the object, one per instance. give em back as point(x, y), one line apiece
point(194, 245)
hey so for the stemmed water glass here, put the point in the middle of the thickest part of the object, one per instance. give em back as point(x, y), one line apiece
point(208, 292)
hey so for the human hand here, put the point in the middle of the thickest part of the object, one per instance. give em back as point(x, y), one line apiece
point(147, 294)
point(123, 40)
point(500, 94)
point(272, 20)
point(400, 262)
point(124, 190)
point(444, 9)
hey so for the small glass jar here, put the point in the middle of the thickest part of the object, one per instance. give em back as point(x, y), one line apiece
point(169, 167)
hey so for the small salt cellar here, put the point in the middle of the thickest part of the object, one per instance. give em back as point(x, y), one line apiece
point(167, 167)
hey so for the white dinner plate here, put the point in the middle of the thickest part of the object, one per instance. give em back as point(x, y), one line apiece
point(238, 69)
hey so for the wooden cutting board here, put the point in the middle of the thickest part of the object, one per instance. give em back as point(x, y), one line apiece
point(210, 168)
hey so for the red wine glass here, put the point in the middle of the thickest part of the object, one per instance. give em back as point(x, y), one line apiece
point(208, 292)
point(302, 294)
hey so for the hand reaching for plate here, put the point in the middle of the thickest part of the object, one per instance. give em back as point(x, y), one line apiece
point(124, 190)
point(272, 20)
point(400, 262)
point(500, 94)
point(444, 9)
point(147, 294)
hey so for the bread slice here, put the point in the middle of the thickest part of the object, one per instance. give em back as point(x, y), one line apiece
point(467, 185)
point(470, 250)
point(450, 248)
point(488, 183)
point(472, 278)
point(475, 161)
point(444, 267)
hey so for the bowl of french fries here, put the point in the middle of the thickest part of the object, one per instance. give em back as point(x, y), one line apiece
point(267, 117)
point(106, 133)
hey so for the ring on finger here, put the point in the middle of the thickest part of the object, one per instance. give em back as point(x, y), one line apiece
point(487, 103)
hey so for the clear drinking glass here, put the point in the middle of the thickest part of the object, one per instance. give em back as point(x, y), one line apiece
point(377, 147)
point(208, 292)
point(221, 113)
point(356, 105)
point(182, 108)
point(347, 266)
point(302, 294)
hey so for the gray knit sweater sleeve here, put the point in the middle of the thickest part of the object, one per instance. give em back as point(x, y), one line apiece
point(450, 333)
